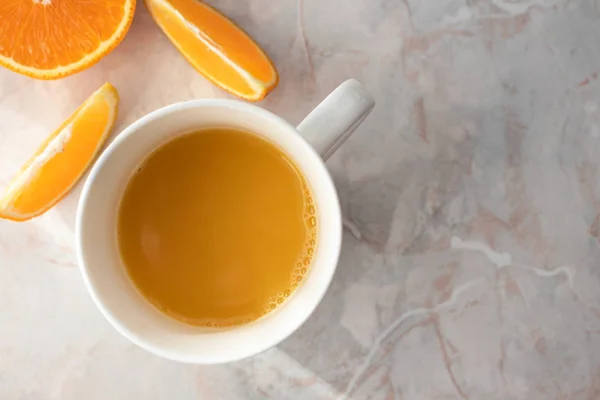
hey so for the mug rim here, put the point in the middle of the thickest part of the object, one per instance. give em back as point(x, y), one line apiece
point(133, 129)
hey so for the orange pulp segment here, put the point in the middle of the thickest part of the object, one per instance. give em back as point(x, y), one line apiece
point(49, 39)
point(62, 159)
point(215, 47)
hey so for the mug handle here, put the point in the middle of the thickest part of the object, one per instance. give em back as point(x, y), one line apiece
point(337, 117)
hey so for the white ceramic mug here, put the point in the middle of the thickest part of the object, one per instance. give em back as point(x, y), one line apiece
point(315, 139)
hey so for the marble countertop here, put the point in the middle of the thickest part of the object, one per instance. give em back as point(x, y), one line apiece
point(470, 266)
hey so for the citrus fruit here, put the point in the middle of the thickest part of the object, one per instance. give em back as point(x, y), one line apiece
point(215, 47)
point(50, 39)
point(62, 159)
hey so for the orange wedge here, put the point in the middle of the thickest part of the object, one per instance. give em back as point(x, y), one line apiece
point(215, 47)
point(49, 39)
point(62, 159)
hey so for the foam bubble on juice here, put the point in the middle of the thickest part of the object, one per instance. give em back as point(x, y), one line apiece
point(302, 265)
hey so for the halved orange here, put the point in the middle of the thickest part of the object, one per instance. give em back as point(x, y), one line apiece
point(49, 39)
point(62, 159)
point(215, 47)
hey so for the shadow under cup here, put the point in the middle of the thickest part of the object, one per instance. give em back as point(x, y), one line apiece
point(105, 275)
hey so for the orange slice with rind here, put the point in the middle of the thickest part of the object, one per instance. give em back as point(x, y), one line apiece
point(216, 47)
point(50, 39)
point(62, 159)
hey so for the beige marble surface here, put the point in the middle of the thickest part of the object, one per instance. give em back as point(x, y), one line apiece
point(470, 266)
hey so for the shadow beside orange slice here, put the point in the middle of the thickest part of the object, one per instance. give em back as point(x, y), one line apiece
point(62, 159)
point(215, 47)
